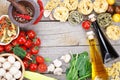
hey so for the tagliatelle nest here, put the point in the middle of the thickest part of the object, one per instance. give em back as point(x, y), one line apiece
point(52, 4)
point(75, 17)
point(71, 4)
point(85, 7)
point(100, 6)
point(61, 13)
point(113, 32)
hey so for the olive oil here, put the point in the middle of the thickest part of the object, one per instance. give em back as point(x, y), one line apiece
point(98, 69)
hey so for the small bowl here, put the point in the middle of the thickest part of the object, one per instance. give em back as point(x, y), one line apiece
point(18, 30)
point(18, 59)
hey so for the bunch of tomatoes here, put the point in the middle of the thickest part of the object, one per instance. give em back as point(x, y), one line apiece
point(30, 43)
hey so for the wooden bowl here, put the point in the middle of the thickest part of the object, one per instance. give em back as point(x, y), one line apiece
point(18, 59)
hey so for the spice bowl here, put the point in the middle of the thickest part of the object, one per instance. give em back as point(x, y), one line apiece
point(19, 19)
point(16, 65)
point(9, 31)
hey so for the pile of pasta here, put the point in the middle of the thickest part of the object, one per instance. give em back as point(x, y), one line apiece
point(69, 9)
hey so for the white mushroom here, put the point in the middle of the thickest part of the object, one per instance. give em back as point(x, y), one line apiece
point(2, 72)
point(6, 65)
point(8, 76)
point(11, 59)
point(51, 68)
point(47, 13)
point(17, 64)
point(58, 71)
point(18, 75)
point(57, 63)
point(66, 58)
point(14, 70)
point(2, 59)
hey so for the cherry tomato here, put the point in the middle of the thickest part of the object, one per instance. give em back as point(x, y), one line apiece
point(28, 43)
point(39, 59)
point(28, 56)
point(86, 24)
point(26, 65)
point(1, 48)
point(23, 47)
point(15, 42)
point(33, 67)
point(37, 41)
point(34, 50)
point(21, 40)
point(31, 34)
point(22, 33)
point(8, 48)
point(42, 68)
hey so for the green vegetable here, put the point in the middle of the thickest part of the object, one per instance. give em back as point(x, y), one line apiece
point(19, 52)
point(80, 67)
point(36, 76)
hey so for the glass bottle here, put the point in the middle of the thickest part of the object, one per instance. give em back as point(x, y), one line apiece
point(98, 69)
point(107, 50)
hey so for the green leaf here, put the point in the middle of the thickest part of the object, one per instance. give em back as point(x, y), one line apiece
point(19, 52)
point(47, 59)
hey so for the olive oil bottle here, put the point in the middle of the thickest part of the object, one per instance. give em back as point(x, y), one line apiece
point(98, 69)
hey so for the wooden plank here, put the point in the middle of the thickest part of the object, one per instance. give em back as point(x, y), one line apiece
point(62, 34)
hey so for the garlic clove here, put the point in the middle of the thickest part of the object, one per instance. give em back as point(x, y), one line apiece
point(6, 65)
point(51, 68)
point(58, 71)
point(11, 59)
point(17, 64)
point(2, 72)
point(13, 70)
point(2, 59)
point(57, 63)
point(18, 75)
point(8, 76)
point(47, 13)
point(66, 58)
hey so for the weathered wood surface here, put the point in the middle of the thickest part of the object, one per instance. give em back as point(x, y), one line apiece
point(61, 38)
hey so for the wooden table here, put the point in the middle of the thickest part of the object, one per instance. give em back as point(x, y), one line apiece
point(61, 38)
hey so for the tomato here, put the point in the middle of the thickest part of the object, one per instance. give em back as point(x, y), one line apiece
point(8, 48)
point(21, 40)
point(34, 50)
point(31, 34)
point(39, 59)
point(86, 24)
point(37, 41)
point(28, 56)
point(22, 33)
point(26, 65)
point(111, 2)
point(1, 48)
point(14, 42)
point(23, 47)
point(42, 68)
point(28, 43)
point(116, 17)
point(33, 67)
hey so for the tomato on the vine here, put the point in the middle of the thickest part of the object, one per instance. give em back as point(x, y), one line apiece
point(23, 47)
point(37, 41)
point(21, 39)
point(22, 33)
point(26, 64)
point(31, 34)
point(39, 59)
point(33, 67)
point(28, 43)
point(8, 47)
point(34, 50)
point(42, 68)
point(28, 56)
point(15, 42)
point(86, 24)
point(1, 48)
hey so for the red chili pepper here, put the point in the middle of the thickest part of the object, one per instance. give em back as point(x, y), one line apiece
point(41, 11)
point(27, 17)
